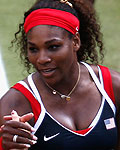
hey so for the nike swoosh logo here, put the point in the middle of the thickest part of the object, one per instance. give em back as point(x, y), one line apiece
point(51, 137)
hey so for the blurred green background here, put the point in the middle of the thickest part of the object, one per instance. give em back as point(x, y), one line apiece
point(11, 14)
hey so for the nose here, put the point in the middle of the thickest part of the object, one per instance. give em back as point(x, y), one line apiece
point(43, 57)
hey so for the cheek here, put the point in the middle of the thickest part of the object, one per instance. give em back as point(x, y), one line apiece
point(31, 58)
point(68, 52)
point(65, 57)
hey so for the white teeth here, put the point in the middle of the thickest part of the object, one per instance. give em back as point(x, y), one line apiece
point(47, 70)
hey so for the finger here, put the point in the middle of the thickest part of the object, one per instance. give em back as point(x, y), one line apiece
point(20, 125)
point(32, 129)
point(18, 131)
point(26, 117)
point(25, 140)
point(15, 116)
point(19, 139)
point(11, 145)
point(20, 149)
point(23, 118)
point(8, 117)
point(1, 128)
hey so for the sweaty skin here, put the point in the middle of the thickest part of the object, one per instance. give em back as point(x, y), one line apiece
point(54, 57)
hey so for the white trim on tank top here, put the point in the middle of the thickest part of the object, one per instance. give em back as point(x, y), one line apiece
point(95, 120)
point(43, 110)
point(100, 87)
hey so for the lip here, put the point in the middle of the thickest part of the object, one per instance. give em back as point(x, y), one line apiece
point(47, 72)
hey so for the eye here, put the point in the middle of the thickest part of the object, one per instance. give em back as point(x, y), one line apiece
point(54, 47)
point(32, 49)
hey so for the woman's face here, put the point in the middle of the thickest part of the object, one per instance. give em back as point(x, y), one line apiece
point(51, 52)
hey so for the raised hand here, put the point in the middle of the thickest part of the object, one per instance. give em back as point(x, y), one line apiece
point(17, 133)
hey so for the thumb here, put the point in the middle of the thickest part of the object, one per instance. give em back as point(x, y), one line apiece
point(23, 118)
point(15, 116)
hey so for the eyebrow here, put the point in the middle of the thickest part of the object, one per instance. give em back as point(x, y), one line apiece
point(28, 42)
point(46, 43)
point(51, 41)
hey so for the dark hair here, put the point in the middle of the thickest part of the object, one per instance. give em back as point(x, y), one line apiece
point(92, 1)
point(90, 35)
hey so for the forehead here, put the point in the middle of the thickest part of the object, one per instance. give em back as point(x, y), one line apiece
point(46, 32)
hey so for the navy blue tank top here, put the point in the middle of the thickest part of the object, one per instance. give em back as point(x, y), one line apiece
point(53, 135)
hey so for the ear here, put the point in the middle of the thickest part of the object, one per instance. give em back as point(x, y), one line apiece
point(76, 42)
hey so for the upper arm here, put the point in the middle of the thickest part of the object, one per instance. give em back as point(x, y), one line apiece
point(14, 100)
point(116, 88)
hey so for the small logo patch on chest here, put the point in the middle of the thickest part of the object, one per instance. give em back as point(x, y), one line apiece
point(110, 123)
point(50, 137)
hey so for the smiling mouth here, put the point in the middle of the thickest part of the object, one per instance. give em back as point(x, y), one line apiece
point(47, 72)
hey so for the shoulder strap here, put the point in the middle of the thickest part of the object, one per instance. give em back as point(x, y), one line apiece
point(36, 108)
point(37, 94)
point(107, 82)
point(100, 87)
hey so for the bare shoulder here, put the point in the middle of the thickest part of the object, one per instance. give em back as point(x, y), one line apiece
point(116, 85)
point(115, 78)
point(115, 82)
point(13, 100)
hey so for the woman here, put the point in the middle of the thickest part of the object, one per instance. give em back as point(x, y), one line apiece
point(75, 104)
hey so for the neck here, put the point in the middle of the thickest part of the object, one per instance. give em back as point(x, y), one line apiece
point(66, 85)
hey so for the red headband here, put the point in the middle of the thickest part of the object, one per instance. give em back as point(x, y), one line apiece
point(53, 17)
